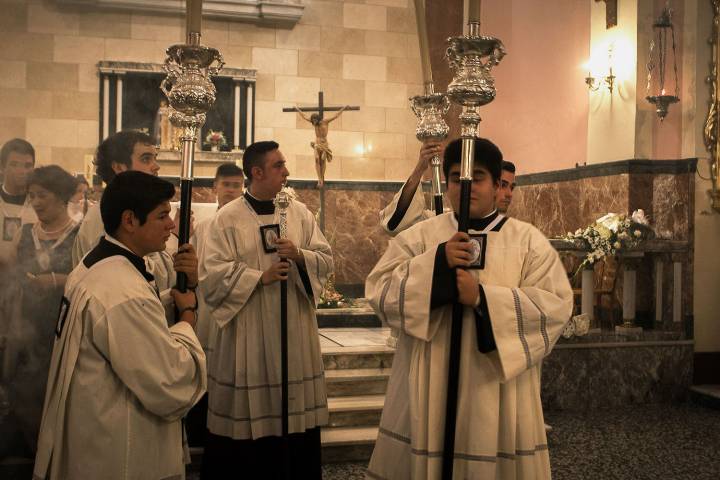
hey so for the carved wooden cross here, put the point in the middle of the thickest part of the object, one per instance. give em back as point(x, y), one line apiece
point(321, 108)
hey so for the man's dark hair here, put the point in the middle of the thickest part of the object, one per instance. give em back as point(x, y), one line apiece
point(228, 170)
point(508, 166)
point(487, 155)
point(118, 148)
point(254, 156)
point(138, 192)
point(17, 145)
point(54, 179)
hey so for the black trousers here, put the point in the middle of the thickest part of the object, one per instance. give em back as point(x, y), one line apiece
point(264, 458)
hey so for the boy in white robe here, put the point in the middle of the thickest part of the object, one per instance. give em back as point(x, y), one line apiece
point(127, 150)
point(517, 300)
point(227, 186)
point(120, 379)
point(242, 267)
point(407, 206)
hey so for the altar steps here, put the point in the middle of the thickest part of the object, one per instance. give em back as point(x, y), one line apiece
point(357, 369)
point(706, 395)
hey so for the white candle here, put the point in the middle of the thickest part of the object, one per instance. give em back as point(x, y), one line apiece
point(473, 11)
point(423, 37)
point(194, 15)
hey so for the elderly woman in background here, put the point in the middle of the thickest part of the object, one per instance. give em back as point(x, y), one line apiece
point(43, 263)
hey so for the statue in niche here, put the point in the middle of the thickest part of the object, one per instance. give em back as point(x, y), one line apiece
point(323, 154)
point(163, 130)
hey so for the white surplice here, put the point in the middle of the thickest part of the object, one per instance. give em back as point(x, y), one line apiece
point(159, 264)
point(415, 213)
point(204, 327)
point(244, 374)
point(500, 430)
point(120, 380)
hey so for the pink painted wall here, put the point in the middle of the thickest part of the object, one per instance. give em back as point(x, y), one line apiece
point(667, 135)
point(539, 118)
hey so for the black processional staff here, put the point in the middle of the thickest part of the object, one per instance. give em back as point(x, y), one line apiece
point(429, 108)
point(472, 57)
point(282, 201)
point(190, 93)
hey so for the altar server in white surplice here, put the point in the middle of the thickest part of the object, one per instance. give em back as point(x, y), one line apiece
point(242, 267)
point(134, 151)
point(120, 379)
point(517, 299)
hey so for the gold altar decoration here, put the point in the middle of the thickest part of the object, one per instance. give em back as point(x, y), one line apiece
point(712, 124)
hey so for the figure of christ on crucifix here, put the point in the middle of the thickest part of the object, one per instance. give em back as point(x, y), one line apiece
point(320, 146)
point(323, 154)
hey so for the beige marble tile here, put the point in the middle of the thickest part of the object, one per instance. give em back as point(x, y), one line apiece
point(52, 133)
point(342, 40)
point(364, 168)
point(265, 86)
point(71, 159)
point(264, 134)
point(215, 33)
point(29, 47)
point(346, 144)
point(404, 70)
point(413, 46)
point(304, 37)
point(400, 20)
point(88, 78)
point(237, 57)
point(389, 3)
point(75, 49)
point(320, 64)
point(381, 94)
point(366, 17)
point(105, 24)
point(75, 105)
point(88, 133)
point(156, 27)
point(13, 74)
point(52, 76)
point(367, 119)
point(400, 120)
point(296, 89)
point(343, 92)
point(305, 167)
point(398, 169)
point(272, 60)
point(386, 145)
point(48, 18)
point(14, 17)
point(387, 44)
point(292, 141)
point(322, 13)
point(251, 35)
point(129, 50)
point(364, 67)
point(11, 127)
point(270, 114)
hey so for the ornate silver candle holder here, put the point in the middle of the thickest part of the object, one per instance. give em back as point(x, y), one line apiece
point(190, 91)
point(472, 57)
point(430, 110)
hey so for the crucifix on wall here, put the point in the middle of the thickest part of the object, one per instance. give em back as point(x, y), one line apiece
point(320, 146)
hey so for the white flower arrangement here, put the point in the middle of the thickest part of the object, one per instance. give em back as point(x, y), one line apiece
point(611, 234)
point(215, 139)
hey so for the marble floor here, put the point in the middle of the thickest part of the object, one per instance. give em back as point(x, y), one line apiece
point(641, 442)
point(335, 339)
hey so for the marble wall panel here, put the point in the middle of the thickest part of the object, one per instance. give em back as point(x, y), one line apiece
point(600, 378)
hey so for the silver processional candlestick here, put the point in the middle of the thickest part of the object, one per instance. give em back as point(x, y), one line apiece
point(191, 94)
point(282, 201)
point(472, 58)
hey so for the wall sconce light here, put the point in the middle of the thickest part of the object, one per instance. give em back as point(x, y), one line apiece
point(663, 27)
point(594, 85)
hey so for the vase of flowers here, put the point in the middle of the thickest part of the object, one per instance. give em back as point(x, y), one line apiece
point(215, 139)
point(610, 235)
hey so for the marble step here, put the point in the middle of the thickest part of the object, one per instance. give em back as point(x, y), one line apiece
point(356, 381)
point(706, 395)
point(366, 356)
point(348, 444)
point(355, 411)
